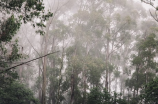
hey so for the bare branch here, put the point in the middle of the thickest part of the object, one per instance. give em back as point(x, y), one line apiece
point(155, 18)
point(26, 62)
point(149, 3)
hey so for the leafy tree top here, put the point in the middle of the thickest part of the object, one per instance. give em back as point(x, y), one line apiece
point(16, 93)
point(151, 92)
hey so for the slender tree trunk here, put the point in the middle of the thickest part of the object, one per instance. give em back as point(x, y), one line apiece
point(107, 63)
point(109, 82)
point(20, 72)
point(121, 86)
point(116, 85)
point(39, 87)
point(128, 95)
point(84, 87)
point(134, 93)
point(51, 88)
point(44, 83)
point(60, 75)
point(44, 73)
point(44, 61)
point(137, 69)
point(85, 79)
point(72, 88)
point(73, 83)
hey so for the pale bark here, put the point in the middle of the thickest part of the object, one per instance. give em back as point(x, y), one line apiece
point(44, 62)
point(44, 83)
point(72, 88)
point(60, 75)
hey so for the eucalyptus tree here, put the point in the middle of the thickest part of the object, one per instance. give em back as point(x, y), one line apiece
point(119, 30)
point(83, 72)
point(108, 29)
point(145, 64)
point(55, 39)
point(82, 21)
point(26, 11)
point(59, 36)
point(74, 56)
point(49, 42)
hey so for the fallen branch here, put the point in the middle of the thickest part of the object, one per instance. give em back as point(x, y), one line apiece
point(5, 70)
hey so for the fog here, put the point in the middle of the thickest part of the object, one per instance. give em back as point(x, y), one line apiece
point(88, 47)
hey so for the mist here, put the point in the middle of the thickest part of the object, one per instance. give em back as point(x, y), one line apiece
point(81, 52)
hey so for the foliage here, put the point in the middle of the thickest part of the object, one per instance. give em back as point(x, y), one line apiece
point(96, 96)
point(26, 11)
point(9, 29)
point(98, 42)
point(95, 68)
point(16, 93)
point(135, 100)
point(11, 91)
point(150, 92)
point(144, 63)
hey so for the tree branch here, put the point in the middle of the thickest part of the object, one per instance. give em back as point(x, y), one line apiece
point(155, 18)
point(149, 3)
point(26, 62)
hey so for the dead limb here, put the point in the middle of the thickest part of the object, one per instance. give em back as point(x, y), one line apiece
point(7, 69)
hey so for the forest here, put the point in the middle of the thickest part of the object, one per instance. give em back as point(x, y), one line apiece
point(79, 51)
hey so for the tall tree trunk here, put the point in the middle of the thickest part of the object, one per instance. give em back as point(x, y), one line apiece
point(107, 63)
point(137, 69)
point(121, 88)
point(134, 93)
point(44, 61)
point(39, 87)
point(52, 95)
point(60, 75)
point(128, 95)
point(72, 88)
point(44, 72)
point(44, 83)
point(84, 87)
point(116, 85)
point(109, 82)
point(73, 83)
point(85, 80)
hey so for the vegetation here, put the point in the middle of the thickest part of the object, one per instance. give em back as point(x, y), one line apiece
point(16, 93)
point(105, 52)
point(98, 97)
point(150, 92)
point(11, 91)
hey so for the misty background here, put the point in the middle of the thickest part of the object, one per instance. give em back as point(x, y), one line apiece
point(97, 44)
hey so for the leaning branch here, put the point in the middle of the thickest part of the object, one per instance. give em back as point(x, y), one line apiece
point(27, 62)
point(149, 3)
point(155, 17)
